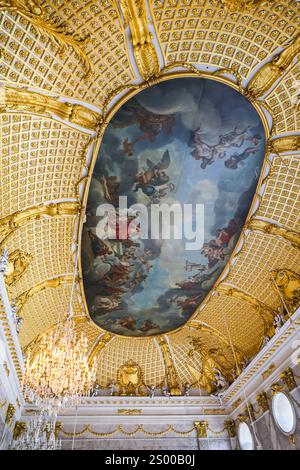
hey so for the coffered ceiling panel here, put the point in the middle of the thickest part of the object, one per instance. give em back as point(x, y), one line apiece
point(86, 60)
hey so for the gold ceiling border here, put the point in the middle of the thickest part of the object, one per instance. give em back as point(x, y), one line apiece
point(287, 143)
point(132, 90)
point(10, 223)
point(59, 31)
point(14, 99)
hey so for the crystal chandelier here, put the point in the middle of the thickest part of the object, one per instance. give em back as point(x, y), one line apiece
point(39, 434)
point(60, 374)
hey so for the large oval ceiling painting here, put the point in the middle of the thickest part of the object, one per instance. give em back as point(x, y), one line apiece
point(171, 189)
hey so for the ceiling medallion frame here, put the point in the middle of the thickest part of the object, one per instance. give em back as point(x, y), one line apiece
point(165, 75)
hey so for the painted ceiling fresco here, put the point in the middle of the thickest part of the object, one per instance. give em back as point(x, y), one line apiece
point(184, 141)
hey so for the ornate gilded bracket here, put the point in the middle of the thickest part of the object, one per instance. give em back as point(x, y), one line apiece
point(274, 229)
point(56, 28)
point(265, 312)
point(289, 143)
point(267, 75)
point(12, 99)
point(16, 220)
point(52, 283)
point(171, 374)
point(135, 15)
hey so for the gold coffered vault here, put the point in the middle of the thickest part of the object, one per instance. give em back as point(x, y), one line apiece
point(66, 67)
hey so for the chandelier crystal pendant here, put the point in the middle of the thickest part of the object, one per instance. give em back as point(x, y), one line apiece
point(40, 434)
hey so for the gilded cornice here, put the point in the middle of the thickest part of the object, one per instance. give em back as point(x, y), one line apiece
point(16, 220)
point(55, 27)
point(273, 229)
point(49, 283)
point(135, 16)
point(13, 99)
point(267, 75)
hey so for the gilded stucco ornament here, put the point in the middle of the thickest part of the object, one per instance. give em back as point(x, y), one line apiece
point(262, 402)
point(241, 5)
point(266, 313)
point(230, 427)
point(267, 75)
point(58, 30)
point(13, 99)
point(19, 429)
point(49, 283)
point(100, 345)
point(201, 428)
point(10, 413)
point(16, 220)
point(288, 379)
point(130, 379)
point(18, 261)
point(287, 283)
point(171, 374)
point(135, 15)
point(273, 229)
point(218, 368)
point(289, 143)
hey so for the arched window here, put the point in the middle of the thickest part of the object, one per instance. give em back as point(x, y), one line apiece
point(284, 413)
point(245, 437)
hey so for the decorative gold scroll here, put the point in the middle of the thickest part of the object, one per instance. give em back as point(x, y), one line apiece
point(49, 283)
point(288, 143)
point(135, 15)
point(18, 262)
point(13, 99)
point(265, 312)
point(14, 221)
point(274, 229)
point(267, 75)
point(171, 374)
point(58, 30)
